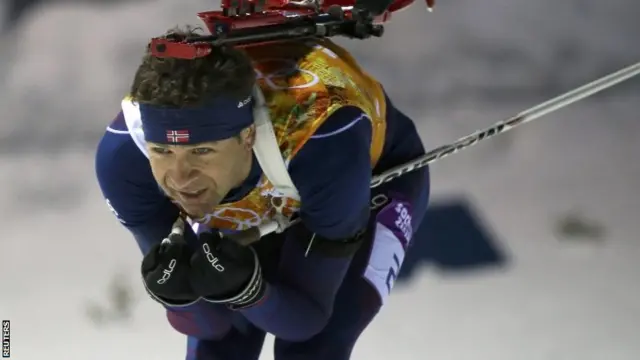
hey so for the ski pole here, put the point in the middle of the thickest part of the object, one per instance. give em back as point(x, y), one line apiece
point(508, 124)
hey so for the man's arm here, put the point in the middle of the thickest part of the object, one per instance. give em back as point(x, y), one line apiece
point(332, 172)
point(132, 194)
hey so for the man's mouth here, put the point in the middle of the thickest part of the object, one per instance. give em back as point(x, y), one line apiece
point(191, 195)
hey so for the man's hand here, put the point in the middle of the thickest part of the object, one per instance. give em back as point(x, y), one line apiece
point(223, 271)
point(165, 271)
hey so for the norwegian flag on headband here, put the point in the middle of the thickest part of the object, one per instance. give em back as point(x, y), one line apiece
point(178, 136)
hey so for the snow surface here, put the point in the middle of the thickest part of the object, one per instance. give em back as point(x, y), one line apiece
point(471, 63)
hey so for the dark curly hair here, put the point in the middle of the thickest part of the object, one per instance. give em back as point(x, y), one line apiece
point(183, 83)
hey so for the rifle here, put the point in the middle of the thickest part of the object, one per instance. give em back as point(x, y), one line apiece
point(244, 23)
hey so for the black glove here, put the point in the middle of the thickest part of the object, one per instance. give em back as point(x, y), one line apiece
point(165, 272)
point(225, 272)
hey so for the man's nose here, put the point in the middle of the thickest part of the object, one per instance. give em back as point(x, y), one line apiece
point(181, 174)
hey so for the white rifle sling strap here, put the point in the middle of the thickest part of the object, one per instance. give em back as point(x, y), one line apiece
point(133, 119)
point(269, 157)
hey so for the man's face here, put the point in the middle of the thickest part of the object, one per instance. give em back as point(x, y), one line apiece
point(200, 176)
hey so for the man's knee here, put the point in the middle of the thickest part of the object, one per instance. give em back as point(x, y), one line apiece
point(356, 305)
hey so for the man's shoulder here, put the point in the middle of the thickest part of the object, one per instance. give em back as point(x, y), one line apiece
point(349, 121)
point(118, 154)
point(346, 130)
point(344, 137)
point(332, 172)
point(127, 183)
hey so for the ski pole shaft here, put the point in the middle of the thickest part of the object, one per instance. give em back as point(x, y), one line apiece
point(498, 128)
point(508, 124)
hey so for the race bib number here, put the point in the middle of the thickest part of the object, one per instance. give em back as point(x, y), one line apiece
point(392, 236)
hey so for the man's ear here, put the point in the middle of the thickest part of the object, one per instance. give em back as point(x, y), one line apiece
point(248, 136)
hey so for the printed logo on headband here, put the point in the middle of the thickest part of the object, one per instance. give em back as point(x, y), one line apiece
point(178, 136)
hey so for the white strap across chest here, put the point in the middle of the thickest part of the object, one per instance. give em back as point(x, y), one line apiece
point(267, 151)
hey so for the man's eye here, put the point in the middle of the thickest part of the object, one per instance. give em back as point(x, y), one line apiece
point(161, 151)
point(202, 151)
